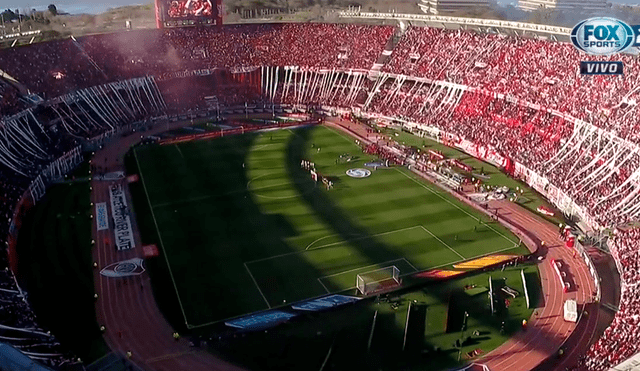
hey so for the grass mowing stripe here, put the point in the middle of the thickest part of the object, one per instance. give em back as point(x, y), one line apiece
point(219, 235)
point(365, 237)
point(340, 134)
point(175, 287)
point(442, 242)
point(200, 198)
point(454, 205)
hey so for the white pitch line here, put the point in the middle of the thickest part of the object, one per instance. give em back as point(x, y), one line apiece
point(355, 269)
point(442, 242)
point(320, 239)
point(261, 146)
point(325, 287)
point(155, 222)
point(454, 205)
point(331, 244)
point(365, 237)
point(352, 141)
point(178, 148)
point(410, 273)
point(411, 265)
point(257, 286)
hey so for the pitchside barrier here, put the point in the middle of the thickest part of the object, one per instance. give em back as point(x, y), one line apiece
point(592, 269)
point(491, 294)
point(526, 290)
point(238, 130)
point(272, 317)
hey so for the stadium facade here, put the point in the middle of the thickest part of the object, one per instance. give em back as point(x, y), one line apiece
point(587, 6)
point(451, 6)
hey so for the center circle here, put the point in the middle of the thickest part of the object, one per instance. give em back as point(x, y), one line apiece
point(256, 189)
point(358, 173)
point(125, 268)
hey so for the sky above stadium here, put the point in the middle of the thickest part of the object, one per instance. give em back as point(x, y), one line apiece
point(70, 6)
point(98, 6)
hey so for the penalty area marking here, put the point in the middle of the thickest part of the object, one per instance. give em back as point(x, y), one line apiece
point(369, 266)
point(415, 269)
point(454, 205)
point(359, 238)
point(330, 244)
point(364, 267)
point(322, 238)
point(442, 242)
point(325, 287)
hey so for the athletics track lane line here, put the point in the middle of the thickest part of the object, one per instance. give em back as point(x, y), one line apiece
point(583, 296)
point(545, 232)
point(125, 306)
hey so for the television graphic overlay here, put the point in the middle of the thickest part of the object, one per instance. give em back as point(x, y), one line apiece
point(180, 13)
point(601, 68)
point(604, 36)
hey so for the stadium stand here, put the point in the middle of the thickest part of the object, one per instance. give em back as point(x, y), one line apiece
point(572, 138)
point(620, 340)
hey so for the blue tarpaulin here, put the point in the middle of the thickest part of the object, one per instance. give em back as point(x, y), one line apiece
point(325, 302)
point(260, 320)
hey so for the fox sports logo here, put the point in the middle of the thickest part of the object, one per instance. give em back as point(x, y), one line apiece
point(602, 36)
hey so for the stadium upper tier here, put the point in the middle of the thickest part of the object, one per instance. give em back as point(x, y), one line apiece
point(520, 102)
point(540, 72)
point(54, 68)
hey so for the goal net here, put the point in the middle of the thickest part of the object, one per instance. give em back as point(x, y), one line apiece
point(378, 280)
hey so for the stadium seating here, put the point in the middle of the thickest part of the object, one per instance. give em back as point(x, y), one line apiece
point(620, 339)
point(520, 97)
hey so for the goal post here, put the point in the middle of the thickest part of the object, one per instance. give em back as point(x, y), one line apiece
point(378, 280)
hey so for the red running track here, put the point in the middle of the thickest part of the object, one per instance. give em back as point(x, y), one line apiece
point(127, 308)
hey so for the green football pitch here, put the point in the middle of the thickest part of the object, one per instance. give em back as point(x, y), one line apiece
point(242, 227)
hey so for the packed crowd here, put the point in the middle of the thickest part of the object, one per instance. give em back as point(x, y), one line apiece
point(620, 339)
point(31, 141)
point(50, 69)
point(532, 137)
point(59, 67)
point(534, 76)
point(537, 71)
point(208, 93)
point(10, 100)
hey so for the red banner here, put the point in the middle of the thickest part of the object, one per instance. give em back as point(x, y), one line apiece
point(462, 166)
point(437, 154)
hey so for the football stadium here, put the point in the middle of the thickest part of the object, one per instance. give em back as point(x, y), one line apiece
point(385, 192)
